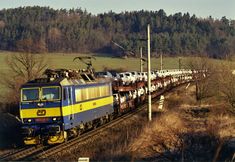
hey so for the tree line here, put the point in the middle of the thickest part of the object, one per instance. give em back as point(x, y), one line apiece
point(43, 29)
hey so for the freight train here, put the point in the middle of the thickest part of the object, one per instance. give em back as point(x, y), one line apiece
point(66, 103)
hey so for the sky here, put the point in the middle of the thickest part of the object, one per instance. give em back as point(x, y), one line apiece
point(201, 8)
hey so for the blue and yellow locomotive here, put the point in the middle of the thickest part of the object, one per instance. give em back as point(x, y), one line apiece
point(62, 105)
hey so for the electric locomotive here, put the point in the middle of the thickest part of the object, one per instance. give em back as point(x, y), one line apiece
point(63, 104)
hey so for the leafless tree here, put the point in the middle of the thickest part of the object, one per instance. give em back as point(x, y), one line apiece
point(22, 68)
point(218, 80)
point(226, 80)
point(32, 46)
point(204, 76)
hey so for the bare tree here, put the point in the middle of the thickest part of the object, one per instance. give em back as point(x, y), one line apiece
point(226, 80)
point(31, 46)
point(204, 76)
point(218, 80)
point(22, 68)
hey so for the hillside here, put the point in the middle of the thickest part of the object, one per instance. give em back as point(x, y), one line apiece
point(43, 29)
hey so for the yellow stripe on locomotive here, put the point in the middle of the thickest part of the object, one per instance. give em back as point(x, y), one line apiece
point(40, 113)
point(66, 110)
point(85, 106)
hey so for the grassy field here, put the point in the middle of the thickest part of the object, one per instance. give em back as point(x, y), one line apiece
point(59, 60)
point(62, 60)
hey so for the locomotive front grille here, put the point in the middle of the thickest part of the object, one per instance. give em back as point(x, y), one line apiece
point(27, 131)
point(53, 129)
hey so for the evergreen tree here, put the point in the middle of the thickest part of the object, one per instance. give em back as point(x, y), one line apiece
point(41, 29)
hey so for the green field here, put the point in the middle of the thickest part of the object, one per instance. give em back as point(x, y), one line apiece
point(60, 60)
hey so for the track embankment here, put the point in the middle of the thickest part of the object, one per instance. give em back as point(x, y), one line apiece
point(188, 131)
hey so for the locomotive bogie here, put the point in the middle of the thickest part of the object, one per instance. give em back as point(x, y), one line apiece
point(57, 138)
point(32, 140)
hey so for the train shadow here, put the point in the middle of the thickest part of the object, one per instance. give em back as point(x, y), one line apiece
point(197, 147)
point(10, 136)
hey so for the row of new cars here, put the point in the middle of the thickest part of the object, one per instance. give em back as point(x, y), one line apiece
point(131, 77)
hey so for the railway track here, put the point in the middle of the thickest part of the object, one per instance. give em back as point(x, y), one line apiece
point(43, 152)
point(19, 153)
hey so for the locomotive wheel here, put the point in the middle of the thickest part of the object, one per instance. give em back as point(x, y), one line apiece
point(102, 121)
point(80, 131)
point(110, 117)
point(95, 125)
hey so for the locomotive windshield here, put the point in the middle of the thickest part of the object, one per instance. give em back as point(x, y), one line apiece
point(30, 94)
point(43, 93)
point(50, 93)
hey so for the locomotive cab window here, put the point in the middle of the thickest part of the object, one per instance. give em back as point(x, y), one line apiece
point(50, 93)
point(30, 94)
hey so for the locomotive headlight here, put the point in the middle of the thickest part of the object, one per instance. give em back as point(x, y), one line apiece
point(29, 120)
point(56, 119)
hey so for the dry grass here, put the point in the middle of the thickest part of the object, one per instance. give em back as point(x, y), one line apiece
point(160, 137)
point(181, 98)
point(222, 126)
point(188, 130)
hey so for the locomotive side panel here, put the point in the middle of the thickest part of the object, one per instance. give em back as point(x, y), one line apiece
point(82, 104)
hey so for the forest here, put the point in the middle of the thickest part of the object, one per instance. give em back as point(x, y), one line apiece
point(43, 29)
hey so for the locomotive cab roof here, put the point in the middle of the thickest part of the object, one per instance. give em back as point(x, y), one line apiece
point(60, 78)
